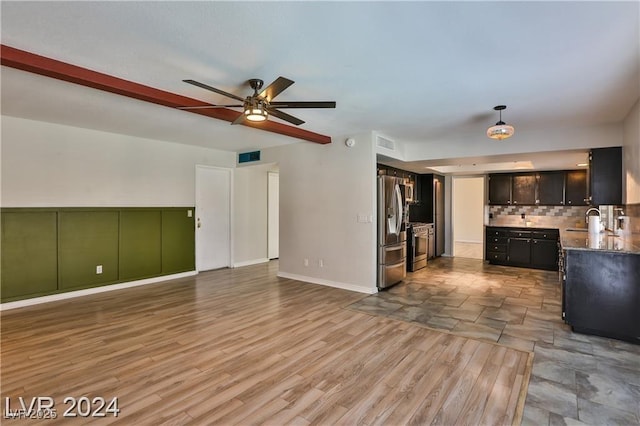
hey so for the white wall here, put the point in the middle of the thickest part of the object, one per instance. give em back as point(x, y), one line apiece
point(52, 165)
point(250, 214)
point(631, 151)
point(323, 189)
point(468, 209)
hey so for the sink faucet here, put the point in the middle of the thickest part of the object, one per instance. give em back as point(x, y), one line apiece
point(592, 209)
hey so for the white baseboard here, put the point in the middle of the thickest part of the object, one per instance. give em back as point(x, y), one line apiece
point(250, 262)
point(93, 290)
point(328, 283)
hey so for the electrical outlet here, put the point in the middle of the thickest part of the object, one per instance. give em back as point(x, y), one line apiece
point(189, 213)
point(306, 262)
point(98, 269)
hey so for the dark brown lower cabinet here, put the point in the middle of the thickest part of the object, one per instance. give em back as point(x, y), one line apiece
point(526, 247)
point(519, 250)
point(544, 254)
point(601, 293)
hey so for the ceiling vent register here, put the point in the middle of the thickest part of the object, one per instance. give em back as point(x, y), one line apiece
point(383, 142)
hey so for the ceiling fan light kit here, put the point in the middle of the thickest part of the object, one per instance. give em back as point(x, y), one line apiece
point(255, 111)
point(501, 130)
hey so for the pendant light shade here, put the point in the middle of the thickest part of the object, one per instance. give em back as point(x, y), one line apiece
point(501, 130)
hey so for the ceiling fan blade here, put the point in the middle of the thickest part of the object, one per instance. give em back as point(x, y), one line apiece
point(275, 88)
point(213, 89)
point(309, 104)
point(239, 120)
point(284, 116)
point(210, 106)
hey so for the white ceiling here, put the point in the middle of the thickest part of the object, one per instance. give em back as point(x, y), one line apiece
point(410, 70)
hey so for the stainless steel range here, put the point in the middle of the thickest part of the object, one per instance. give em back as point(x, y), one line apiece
point(420, 245)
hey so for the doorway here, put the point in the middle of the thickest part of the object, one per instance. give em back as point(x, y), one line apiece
point(468, 216)
point(273, 215)
point(213, 218)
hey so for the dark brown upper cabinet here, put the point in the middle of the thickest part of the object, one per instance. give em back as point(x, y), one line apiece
point(605, 176)
point(523, 189)
point(499, 189)
point(551, 188)
point(576, 188)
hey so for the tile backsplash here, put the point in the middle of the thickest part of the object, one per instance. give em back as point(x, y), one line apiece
point(536, 216)
point(633, 211)
point(551, 216)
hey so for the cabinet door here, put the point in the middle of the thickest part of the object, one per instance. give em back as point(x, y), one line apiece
point(499, 189)
point(551, 188)
point(544, 254)
point(523, 189)
point(605, 176)
point(576, 188)
point(519, 250)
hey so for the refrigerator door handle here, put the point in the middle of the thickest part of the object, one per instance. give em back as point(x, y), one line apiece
point(395, 226)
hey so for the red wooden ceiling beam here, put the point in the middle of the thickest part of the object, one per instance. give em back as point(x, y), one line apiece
point(26, 61)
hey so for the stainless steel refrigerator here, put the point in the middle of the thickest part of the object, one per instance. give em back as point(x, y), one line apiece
point(392, 240)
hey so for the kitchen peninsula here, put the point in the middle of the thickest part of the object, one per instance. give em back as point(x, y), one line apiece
point(601, 283)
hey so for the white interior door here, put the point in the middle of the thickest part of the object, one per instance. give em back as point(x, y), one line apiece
point(273, 214)
point(213, 218)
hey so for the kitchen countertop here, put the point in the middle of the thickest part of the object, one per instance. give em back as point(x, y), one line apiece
point(533, 228)
point(605, 241)
point(580, 239)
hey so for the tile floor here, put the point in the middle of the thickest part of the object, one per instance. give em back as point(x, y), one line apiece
point(576, 379)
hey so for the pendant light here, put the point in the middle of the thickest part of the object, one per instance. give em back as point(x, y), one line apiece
point(501, 130)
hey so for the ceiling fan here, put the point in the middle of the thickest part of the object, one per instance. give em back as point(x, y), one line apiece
point(258, 106)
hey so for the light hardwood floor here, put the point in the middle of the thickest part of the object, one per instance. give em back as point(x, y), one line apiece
point(242, 346)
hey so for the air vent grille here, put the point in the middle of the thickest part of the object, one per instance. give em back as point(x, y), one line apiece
point(383, 142)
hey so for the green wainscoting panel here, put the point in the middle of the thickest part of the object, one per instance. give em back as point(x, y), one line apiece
point(29, 254)
point(87, 239)
point(178, 240)
point(53, 250)
point(140, 244)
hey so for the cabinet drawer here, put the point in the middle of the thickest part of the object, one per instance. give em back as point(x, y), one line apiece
point(545, 235)
point(520, 234)
point(501, 233)
point(497, 240)
point(499, 248)
point(500, 257)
